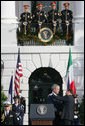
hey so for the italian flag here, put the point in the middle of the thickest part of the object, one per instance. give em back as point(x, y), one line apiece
point(70, 75)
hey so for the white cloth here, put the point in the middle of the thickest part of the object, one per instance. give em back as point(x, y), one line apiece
point(6, 113)
point(53, 93)
point(16, 104)
point(75, 116)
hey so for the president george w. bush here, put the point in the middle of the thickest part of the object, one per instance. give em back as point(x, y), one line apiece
point(64, 106)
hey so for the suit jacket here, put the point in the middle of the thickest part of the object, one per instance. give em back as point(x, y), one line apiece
point(55, 100)
point(68, 107)
point(10, 119)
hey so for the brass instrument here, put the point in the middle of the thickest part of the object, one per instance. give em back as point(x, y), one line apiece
point(25, 29)
point(39, 23)
point(54, 24)
point(25, 24)
point(54, 27)
point(67, 24)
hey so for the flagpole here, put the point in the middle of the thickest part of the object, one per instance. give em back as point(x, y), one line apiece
point(19, 89)
point(12, 94)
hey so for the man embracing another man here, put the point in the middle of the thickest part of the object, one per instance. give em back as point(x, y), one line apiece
point(64, 106)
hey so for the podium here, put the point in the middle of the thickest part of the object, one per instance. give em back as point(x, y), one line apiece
point(42, 114)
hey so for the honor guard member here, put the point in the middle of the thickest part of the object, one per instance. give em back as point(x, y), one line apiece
point(77, 109)
point(25, 19)
point(8, 117)
point(53, 17)
point(66, 17)
point(18, 109)
point(39, 17)
point(22, 100)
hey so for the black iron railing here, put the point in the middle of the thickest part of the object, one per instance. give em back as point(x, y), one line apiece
point(45, 34)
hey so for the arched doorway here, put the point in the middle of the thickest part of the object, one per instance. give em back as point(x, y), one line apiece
point(40, 83)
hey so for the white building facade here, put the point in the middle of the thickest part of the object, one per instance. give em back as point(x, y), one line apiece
point(33, 57)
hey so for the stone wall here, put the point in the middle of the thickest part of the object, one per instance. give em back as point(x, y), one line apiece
point(36, 57)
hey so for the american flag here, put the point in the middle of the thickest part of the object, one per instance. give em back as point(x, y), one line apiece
point(18, 74)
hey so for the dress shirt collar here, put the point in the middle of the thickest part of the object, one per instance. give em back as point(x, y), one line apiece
point(54, 93)
point(16, 104)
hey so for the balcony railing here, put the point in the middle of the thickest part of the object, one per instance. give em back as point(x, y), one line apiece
point(34, 34)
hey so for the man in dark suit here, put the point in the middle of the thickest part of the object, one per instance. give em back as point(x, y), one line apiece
point(68, 108)
point(8, 117)
point(66, 17)
point(18, 109)
point(54, 99)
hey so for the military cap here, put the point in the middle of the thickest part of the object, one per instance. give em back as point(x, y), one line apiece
point(53, 3)
point(39, 4)
point(16, 97)
point(26, 6)
point(6, 103)
point(66, 4)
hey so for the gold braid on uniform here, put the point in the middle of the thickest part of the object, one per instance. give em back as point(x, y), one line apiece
point(2, 117)
point(45, 14)
point(31, 16)
point(58, 13)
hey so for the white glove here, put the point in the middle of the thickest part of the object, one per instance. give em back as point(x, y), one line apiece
point(75, 116)
point(24, 23)
point(17, 118)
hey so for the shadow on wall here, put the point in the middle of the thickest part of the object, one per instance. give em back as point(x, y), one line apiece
point(78, 66)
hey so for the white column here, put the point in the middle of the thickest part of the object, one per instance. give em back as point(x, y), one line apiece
point(79, 23)
point(9, 24)
point(8, 12)
point(79, 10)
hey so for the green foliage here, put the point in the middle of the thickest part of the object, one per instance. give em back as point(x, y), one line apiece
point(82, 111)
point(3, 98)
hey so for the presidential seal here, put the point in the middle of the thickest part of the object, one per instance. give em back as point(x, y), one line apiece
point(45, 34)
point(41, 109)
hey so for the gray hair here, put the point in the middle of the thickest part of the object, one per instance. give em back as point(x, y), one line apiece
point(54, 86)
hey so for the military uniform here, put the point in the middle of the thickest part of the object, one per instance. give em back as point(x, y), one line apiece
point(25, 17)
point(19, 111)
point(39, 16)
point(76, 114)
point(8, 117)
point(53, 15)
point(23, 102)
point(77, 110)
point(66, 15)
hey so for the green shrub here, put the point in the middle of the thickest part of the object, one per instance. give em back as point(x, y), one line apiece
point(3, 98)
